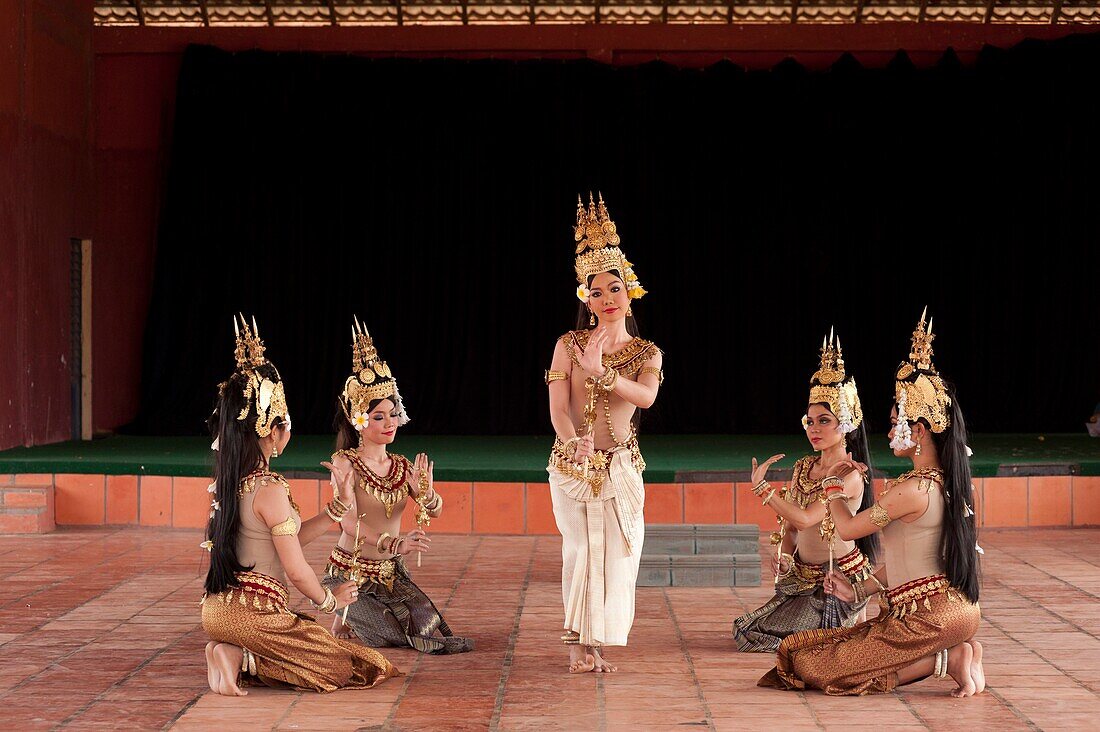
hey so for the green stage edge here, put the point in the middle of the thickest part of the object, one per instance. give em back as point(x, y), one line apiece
point(670, 458)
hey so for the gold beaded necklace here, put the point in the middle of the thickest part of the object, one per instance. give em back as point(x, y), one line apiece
point(266, 477)
point(387, 489)
point(804, 490)
point(935, 475)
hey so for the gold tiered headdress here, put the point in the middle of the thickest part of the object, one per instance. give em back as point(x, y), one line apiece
point(918, 389)
point(370, 379)
point(262, 394)
point(598, 249)
point(828, 386)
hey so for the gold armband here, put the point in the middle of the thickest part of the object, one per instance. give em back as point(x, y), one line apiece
point(879, 517)
point(554, 376)
point(381, 540)
point(659, 373)
point(286, 528)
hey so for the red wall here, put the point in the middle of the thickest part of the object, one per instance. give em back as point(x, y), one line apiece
point(45, 198)
point(134, 86)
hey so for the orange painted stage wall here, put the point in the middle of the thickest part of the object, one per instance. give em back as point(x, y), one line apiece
point(500, 508)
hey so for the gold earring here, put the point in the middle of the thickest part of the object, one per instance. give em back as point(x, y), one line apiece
point(274, 452)
point(918, 448)
point(591, 318)
point(844, 443)
point(629, 312)
point(360, 439)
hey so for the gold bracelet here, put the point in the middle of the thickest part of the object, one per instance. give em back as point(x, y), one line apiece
point(831, 481)
point(328, 605)
point(608, 379)
point(378, 544)
point(768, 497)
point(336, 510)
point(761, 486)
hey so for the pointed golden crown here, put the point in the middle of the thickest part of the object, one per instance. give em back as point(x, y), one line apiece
point(921, 352)
point(249, 352)
point(264, 395)
point(598, 250)
point(828, 386)
point(370, 378)
point(918, 390)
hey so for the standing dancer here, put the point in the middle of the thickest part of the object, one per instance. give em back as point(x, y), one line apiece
point(931, 609)
point(806, 545)
point(598, 380)
point(391, 609)
point(255, 531)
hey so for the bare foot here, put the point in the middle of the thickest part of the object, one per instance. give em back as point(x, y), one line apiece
point(213, 676)
point(977, 670)
point(959, 659)
point(227, 660)
point(602, 666)
point(341, 630)
point(580, 660)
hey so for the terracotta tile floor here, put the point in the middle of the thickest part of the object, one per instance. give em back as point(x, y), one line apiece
point(99, 629)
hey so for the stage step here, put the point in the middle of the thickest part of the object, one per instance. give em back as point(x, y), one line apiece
point(26, 509)
point(701, 539)
point(702, 555)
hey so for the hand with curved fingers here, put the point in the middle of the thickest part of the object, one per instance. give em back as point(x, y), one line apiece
point(416, 540)
point(343, 482)
point(422, 466)
point(591, 359)
point(586, 446)
point(346, 594)
point(841, 468)
point(837, 585)
point(761, 470)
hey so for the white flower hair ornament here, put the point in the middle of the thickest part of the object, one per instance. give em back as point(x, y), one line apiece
point(583, 293)
point(358, 421)
point(845, 416)
point(903, 433)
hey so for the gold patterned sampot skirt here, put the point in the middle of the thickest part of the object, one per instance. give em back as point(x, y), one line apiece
point(917, 619)
point(283, 648)
point(800, 603)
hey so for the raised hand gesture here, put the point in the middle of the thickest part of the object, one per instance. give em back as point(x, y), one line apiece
point(759, 471)
point(591, 359)
point(343, 482)
point(423, 466)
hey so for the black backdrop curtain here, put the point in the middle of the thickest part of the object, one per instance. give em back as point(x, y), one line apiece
point(435, 199)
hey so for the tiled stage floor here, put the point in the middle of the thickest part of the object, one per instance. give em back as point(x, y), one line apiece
point(99, 629)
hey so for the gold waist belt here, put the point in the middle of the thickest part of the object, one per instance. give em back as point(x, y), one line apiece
point(904, 599)
point(342, 564)
point(851, 564)
point(598, 462)
point(259, 590)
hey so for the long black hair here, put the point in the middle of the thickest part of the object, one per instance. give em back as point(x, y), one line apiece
point(860, 451)
point(960, 531)
point(238, 454)
point(346, 434)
